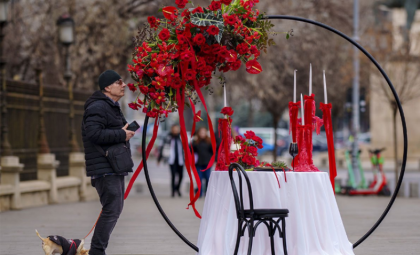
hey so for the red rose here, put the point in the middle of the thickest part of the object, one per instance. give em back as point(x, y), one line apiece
point(230, 19)
point(187, 55)
point(152, 21)
point(215, 5)
point(224, 68)
point(227, 111)
point(253, 150)
point(248, 160)
point(199, 39)
point(181, 3)
point(210, 59)
point(213, 30)
point(239, 139)
point(249, 134)
point(206, 49)
point(253, 67)
point(176, 83)
point(164, 34)
point(235, 65)
point(233, 158)
point(198, 9)
point(226, 2)
point(190, 74)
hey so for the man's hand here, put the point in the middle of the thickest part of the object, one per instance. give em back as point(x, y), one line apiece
point(128, 133)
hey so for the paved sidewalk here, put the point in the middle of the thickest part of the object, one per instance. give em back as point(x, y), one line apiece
point(141, 229)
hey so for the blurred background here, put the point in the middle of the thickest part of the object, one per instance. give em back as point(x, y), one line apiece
point(53, 51)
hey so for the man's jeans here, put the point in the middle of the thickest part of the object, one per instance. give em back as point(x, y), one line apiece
point(110, 189)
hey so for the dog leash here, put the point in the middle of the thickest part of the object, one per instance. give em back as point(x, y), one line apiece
point(94, 225)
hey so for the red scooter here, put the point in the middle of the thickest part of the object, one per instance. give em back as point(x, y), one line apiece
point(379, 185)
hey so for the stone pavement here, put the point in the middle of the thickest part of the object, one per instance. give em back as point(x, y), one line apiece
point(141, 229)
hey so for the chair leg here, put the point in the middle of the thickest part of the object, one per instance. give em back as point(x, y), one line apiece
point(251, 236)
point(238, 237)
point(283, 224)
point(271, 233)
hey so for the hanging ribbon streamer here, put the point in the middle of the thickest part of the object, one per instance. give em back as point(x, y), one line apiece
point(140, 167)
point(326, 116)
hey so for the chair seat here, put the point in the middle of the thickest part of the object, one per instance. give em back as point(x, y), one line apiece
point(267, 212)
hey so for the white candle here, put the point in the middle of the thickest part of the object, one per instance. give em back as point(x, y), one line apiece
point(310, 79)
point(224, 93)
point(294, 88)
point(325, 89)
point(303, 111)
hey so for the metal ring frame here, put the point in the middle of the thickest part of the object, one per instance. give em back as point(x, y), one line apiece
point(400, 179)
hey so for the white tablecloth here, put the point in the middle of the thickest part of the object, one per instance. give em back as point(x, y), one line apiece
point(313, 227)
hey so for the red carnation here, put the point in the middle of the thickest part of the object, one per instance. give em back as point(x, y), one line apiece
point(253, 67)
point(227, 111)
point(144, 89)
point(131, 87)
point(152, 21)
point(235, 65)
point(213, 30)
point(199, 39)
point(255, 51)
point(190, 74)
point(215, 5)
point(242, 48)
point(233, 157)
point(164, 34)
point(181, 3)
point(134, 106)
point(249, 134)
point(226, 2)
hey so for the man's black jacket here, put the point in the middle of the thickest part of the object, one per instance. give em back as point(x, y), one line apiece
point(103, 123)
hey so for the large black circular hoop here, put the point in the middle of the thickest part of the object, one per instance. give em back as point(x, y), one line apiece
point(400, 179)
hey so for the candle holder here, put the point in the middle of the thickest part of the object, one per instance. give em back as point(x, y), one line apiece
point(293, 151)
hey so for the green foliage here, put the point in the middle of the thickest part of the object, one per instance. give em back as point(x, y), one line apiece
point(209, 19)
point(279, 164)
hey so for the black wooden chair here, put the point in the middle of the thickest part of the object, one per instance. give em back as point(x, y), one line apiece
point(247, 217)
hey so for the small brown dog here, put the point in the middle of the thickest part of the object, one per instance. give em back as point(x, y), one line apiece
point(57, 244)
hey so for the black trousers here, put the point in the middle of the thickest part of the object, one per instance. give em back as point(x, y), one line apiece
point(110, 189)
point(176, 170)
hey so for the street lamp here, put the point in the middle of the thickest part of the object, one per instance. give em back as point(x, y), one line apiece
point(66, 36)
point(5, 145)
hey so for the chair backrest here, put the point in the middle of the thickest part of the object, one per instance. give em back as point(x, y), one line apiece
point(239, 201)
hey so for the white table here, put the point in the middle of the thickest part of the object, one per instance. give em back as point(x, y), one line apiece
point(314, 225)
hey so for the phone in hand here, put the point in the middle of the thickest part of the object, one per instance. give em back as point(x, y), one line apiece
point(133, 126)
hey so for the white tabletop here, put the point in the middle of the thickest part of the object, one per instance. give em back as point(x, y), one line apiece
point(313, 227)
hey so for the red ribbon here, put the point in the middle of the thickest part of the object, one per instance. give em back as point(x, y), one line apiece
point(140, 167)
point(326, 116)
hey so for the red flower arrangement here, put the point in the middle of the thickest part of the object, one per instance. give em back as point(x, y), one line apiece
point(247, 152)
point(179, 53)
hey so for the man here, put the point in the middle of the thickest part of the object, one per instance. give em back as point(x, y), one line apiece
point(104, 125)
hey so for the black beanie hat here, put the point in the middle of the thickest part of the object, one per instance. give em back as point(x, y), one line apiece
point(107, 78)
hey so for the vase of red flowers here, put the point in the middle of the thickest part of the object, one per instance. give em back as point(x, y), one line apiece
point(247, 150)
